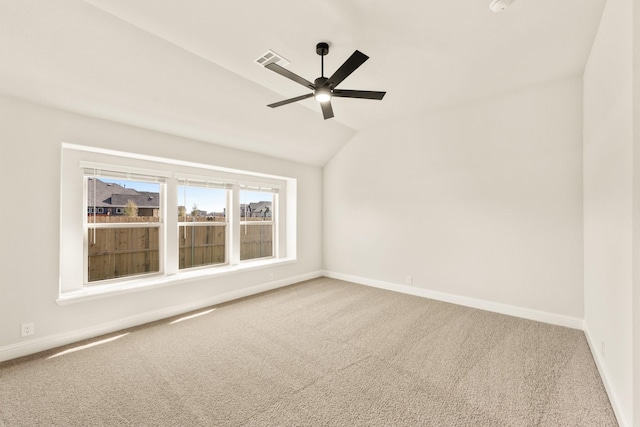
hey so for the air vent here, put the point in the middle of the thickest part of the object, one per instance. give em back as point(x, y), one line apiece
point(271, 57)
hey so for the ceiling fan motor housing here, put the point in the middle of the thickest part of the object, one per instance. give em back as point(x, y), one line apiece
point(320, 81)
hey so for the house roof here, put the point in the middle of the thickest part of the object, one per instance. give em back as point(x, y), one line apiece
point(142, 200)
point(259, 206)
point(187, 68)
point(115, 195)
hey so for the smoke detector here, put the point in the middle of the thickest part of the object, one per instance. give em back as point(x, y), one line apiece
point(498, 6)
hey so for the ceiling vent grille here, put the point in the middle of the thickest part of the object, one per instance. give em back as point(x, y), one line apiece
point(270, 57)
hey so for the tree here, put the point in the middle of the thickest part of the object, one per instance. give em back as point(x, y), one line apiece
point(131, 209)
point(194, 210)
point(182, 213)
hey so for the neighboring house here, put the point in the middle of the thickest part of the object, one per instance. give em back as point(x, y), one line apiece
point(111, 199)
point(256, 210)
point(198, 213)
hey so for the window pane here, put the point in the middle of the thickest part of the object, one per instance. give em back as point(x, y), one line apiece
point(256, 206)
point(121, 252)
point(256, 237)
point(117, 201)
point(256, 240)
point(201, 245)
point(196, 204)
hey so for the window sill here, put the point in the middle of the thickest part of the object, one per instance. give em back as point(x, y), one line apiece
point(135, 285)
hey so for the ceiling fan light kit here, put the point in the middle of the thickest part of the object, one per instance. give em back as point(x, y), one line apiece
point(322, 94)
point(324, 88)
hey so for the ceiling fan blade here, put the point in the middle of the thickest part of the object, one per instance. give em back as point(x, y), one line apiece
point(350, 65)
point(327, 110)
point(289, 101)
point(364, 94)
point(292, 76)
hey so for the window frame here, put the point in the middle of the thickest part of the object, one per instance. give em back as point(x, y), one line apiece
point(96, 171)
point(207, 182)
point(260, 187)
point(73, 285)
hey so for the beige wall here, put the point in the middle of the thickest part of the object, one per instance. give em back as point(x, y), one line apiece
point(636, 212)
point(483, 200)
point(30, 141)
point(608, 203)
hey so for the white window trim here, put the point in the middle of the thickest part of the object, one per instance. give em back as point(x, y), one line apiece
point(71, 284)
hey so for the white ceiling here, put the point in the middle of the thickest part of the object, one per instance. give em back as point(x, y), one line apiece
point(187, 67)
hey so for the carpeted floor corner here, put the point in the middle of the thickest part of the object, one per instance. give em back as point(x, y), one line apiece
point(319, 353)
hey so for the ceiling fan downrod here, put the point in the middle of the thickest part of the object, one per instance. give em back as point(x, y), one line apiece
point(322, 49)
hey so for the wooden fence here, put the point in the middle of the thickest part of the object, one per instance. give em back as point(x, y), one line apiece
point(115, 219)
point(121, 252)
point(256, 241)
point(201, 245)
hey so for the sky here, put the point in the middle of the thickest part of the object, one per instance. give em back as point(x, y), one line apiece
point(207, 199)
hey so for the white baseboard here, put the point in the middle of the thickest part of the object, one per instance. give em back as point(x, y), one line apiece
point(511, 310)
point(606, 380)
point(526, 313)
point(36, 345)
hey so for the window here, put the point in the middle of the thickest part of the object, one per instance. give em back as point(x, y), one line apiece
point(131, 220)
point(256, 222)
point(202, 223)
point(127, 243)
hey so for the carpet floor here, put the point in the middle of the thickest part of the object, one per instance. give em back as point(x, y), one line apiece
point(319, 353)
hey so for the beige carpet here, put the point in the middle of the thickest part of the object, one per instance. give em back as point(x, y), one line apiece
point(322, 352)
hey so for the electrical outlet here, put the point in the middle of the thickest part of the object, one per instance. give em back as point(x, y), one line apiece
point(409, 280)
point(270, 277)
point(27, 329)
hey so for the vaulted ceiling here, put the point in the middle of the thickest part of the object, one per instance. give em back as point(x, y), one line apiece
point(187, 67)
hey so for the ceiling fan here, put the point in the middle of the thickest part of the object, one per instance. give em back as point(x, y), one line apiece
point(325, 88)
